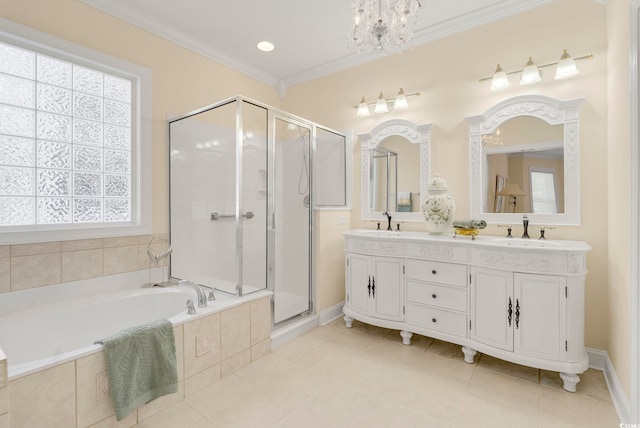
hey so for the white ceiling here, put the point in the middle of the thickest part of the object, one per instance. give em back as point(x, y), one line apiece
point(310, 35)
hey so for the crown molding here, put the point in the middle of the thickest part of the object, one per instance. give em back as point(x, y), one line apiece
point(161, 29)
point(440, 30)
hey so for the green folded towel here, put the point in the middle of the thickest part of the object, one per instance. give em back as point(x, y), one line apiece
point(141, 363)
point(469, 224)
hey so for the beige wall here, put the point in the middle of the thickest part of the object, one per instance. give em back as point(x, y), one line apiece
point(618, 179)
point(446, 72)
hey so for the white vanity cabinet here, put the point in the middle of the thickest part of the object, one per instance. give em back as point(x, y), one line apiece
point(518, 300)
point(375, 285)
point(521, 313)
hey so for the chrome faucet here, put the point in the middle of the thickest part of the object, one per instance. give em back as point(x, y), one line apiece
point(202, 297)
point(388, 219)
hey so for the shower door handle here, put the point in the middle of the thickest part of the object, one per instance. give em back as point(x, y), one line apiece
point(215, 216)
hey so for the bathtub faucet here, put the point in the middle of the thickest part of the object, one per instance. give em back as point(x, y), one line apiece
point(202, 297)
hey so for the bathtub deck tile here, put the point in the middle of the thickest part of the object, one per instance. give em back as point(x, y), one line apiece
point(93, 401)
point(120, 241)
point(120, 259)
point(260, 319)
point(178, 334)
point(83, 264)
point(235, 330)
point(33, 249)
point(44, 399)
point(34, 271)
point(201, 344)
point(5, 274)
point(81, 244)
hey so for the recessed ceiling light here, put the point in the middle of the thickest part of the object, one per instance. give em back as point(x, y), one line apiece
point(265, 46)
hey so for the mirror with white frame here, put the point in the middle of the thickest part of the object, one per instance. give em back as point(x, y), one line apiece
point(396, 182)
point(525, 159)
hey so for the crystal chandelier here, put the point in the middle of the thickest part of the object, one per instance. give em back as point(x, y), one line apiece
point(489, 140)
point(376, 24)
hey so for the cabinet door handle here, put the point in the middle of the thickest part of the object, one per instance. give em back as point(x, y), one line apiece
point(517, 313)
point(510, 311)
point(434, 296)
point(373, 287)
point(433, 320)
point(434, 272)
point(369, 286)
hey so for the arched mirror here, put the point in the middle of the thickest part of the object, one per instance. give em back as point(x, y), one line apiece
point(525, 159)
point(395, 170)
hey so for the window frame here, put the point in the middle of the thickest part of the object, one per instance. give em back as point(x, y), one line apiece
point(141, 199)
point(548, 171)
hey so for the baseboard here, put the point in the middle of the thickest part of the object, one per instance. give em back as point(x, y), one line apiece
point(599, 360)
point(331, 314)
point(289, 332)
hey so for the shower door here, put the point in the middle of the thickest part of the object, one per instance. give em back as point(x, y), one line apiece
point(218, 196)
point(290, 227)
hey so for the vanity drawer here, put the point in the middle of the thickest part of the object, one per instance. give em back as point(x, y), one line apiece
point(437, 319)
point(437, 295)
point(443, 273)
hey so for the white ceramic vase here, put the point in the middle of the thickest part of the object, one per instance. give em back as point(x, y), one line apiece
point(439, 207)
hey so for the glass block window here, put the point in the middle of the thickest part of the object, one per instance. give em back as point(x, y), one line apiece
point(65, 141)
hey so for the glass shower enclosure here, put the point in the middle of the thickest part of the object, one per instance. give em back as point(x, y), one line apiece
point(240, 202)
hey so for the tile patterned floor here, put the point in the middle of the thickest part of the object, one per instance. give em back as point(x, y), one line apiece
point(364, 377)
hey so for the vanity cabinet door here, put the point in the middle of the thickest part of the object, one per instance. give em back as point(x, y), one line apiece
point(388, 296)
point(492, 307)
point(358, 277)
point(375, 286)
point(541, 325)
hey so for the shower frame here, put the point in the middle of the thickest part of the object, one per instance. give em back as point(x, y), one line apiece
point(273, 114)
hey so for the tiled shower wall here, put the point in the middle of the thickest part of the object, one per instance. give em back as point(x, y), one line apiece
point(26, 266)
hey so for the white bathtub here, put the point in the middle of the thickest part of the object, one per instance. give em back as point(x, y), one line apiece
point(42, 328)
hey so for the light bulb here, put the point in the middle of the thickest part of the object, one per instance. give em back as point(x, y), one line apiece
point(363, 108)
point(530, 75)
point(401, 101)
point(566, 66)
point(499, 80)
point(381, 105)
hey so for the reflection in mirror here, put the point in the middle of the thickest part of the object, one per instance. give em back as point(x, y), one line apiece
point(383, 179)
point(395, 170)
point(535, 170)
point(526, 173)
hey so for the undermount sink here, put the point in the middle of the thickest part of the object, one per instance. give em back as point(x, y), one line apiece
point(533, 243)
point(378, 233)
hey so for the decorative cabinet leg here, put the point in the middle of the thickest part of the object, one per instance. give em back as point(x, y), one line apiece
point(569, 381)
point(348, 321)
point(468, 354)
point(406, 337)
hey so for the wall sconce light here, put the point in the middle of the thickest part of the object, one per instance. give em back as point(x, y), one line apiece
point(384, 105)
point(531, 73)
